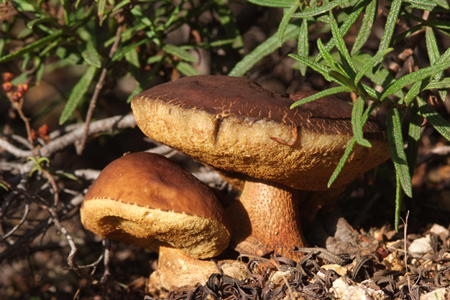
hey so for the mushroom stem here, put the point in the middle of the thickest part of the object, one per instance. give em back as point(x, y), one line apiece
point(176, 268)
point(266, 219)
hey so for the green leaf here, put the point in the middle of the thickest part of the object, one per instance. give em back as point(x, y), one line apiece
point(442, 64)
point(434, 54)
point(31, 24)
point(101, 8)
point(349, 148)
point(422, 4)
point(343, 79)
point(415, 124)
point(390, 25)
point(31, 47)
point(186, 68)
point(321, 94)
point(382, 77)
point(395, 138)
point(342, 162)
point(331, 62)
point(3, 186)
point(349, 21)
point(122, 52)
point(357, 122)
point(303, 44)
point(369, 64)
point(350, 69)
point(77, 95)
point(326, 7)
point(274, 3)
point(366, 26)
point(415, 90)
point(287, 16)
point(315, 66)
point(180, 53)
point(438, 122)
point(264, 49)
point(226, 18)
point(91, 55)
point(442, 3)
point(443, 84)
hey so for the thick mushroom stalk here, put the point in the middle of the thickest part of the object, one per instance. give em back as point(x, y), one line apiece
point(274, 221)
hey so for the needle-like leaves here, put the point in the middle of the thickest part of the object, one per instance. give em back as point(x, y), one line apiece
point(287, 16)
point(442, 64)
point(331, 91)
point(27, 49)
point(366, 26)
point(349, 148)
point(390, 25)
point(358, 123)
point(303, 44)
point(264, 49)
point(78, 94)
point(318, 10)
point(438, 122)
point(395, 138)
point(274, 3)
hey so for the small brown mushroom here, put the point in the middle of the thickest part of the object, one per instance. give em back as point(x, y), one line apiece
point(149, 201)
point(249, 133)
point(144, 199)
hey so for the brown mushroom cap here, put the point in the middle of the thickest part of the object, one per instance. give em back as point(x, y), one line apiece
point(144, 199)
point(235, 125)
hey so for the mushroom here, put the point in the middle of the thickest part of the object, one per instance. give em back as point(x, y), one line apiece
point(284, 156)
point(149, 201)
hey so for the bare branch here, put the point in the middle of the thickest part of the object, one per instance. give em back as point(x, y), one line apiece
point(105, 125)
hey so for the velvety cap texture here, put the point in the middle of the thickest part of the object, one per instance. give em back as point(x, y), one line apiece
point(235, 125)
point(144, 198)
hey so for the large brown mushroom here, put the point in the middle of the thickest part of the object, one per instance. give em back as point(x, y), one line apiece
point(250, 134)
point(149, 201)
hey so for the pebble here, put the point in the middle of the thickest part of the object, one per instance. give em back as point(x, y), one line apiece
point(420, 246)
point(438, 294)
point(344, 290)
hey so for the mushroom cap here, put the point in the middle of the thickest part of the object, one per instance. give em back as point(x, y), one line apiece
point(235, 125)
point(144, 199)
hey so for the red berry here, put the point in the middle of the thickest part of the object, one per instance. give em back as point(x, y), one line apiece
point(7, 77)
point(22, 88)
point(7, 86)
point(16, 96)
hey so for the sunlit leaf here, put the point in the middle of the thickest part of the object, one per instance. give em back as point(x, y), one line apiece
point(178, 52)
point(274, 3)
point(327, 92)
point(42, 42)
point(438, 122)
point(395, 138)
point(357, 122)
point(78, 94)
point(389, 27)
point(366, 26)
point(287, 16)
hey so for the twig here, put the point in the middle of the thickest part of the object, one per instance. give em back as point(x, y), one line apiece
point(30, 235)
point(105, 125)
point(98, 88)
point(405, 233)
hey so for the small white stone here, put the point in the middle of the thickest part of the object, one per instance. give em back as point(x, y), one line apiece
point(439, 230)
point(420, 246)
point(439, 294)
point(347, 290)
